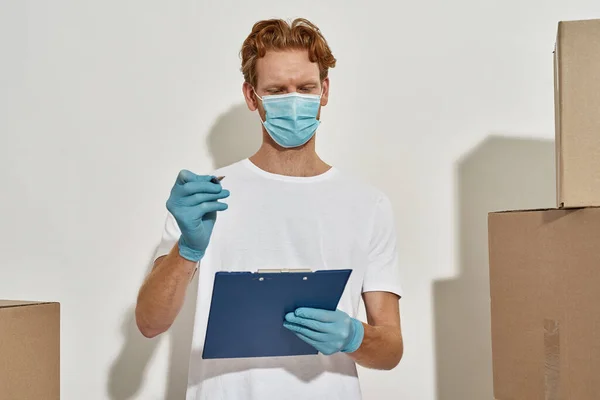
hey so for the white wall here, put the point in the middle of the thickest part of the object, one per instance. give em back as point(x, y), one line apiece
point(102, 103)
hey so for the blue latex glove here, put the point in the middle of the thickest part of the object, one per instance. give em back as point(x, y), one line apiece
point(327, 331)
point(194, 204)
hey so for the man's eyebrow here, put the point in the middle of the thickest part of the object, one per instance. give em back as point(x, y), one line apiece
point(311, 82)
point(274, 85)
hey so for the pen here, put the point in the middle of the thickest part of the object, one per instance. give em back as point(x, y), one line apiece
point(217, 179)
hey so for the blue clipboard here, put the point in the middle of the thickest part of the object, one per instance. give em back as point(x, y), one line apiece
point(248, 308)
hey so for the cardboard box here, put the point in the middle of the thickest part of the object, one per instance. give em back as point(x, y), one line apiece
point(545, 304)
point(29, 350)
point(577, 113)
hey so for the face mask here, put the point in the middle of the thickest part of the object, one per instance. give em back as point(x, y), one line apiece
point(291, 118)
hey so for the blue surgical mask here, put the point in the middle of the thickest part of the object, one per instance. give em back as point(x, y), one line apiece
point(291, 118)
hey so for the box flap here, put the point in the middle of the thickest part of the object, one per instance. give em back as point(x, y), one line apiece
point(557, 119)
point(540, 210)
point(522, 210)
point(20, 303)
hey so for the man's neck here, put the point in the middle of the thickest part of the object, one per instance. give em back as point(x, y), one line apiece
point(302, 161)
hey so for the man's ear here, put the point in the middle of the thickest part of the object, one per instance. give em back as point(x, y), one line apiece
point(250, 96)
point(325, 96)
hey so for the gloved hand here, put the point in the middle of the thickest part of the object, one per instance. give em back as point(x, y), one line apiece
point(327, 331)
point(194, 204)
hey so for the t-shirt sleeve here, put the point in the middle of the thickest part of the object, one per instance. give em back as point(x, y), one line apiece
point(170, 236)
point(383, 273)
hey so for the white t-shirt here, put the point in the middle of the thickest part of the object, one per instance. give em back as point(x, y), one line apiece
point(330, 221)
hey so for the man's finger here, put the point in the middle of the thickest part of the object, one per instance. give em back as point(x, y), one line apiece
point(313, 343)
point(199, 212)
point(199, 198)
point(309, 333)
point(191, 188)
point(316, 314)
point(212, 206)
point(186, 176)
point(311, 324)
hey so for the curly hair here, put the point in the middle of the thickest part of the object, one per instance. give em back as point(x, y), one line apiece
point(277, 34)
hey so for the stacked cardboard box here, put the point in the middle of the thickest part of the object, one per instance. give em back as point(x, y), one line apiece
point(545, 264)
point(29, 350)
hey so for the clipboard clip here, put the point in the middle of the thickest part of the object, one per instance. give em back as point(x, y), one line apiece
point(284, 270)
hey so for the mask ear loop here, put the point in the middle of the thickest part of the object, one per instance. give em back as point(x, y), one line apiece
point(256, 94)
point(261, 100)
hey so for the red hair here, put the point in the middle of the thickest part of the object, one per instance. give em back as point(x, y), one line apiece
point(277, 34)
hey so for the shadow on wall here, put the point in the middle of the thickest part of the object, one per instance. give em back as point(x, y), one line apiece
point(127, 372)
point(235, 135)
point(502, 173)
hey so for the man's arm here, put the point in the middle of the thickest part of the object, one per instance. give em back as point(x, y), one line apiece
point(193, 206)
point(382, 346)
point(376, 345)
point(162, 294)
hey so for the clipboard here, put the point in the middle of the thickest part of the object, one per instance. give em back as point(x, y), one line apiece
point(248, 308)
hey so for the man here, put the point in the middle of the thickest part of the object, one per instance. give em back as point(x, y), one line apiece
point(284, 207)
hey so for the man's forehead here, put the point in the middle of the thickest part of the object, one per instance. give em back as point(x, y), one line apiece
point(286, 67)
